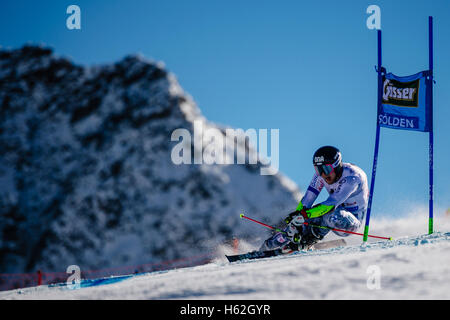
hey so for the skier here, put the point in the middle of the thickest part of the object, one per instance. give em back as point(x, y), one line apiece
point(344, 209)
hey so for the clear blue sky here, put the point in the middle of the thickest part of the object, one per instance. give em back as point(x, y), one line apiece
point(304, 67)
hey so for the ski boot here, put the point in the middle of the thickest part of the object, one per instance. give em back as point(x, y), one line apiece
point(290, 247)
point(281, 239)
point(309, 239)
point(275, 241)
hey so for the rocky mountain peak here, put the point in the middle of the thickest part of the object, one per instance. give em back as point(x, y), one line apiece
point(86, 175)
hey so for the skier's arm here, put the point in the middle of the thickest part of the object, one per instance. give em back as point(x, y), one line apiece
point(346, 187)
point(308, 199)
point(311, 193)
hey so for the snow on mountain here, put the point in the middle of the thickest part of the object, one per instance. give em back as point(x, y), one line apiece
point(412, 267)
point(86, 175)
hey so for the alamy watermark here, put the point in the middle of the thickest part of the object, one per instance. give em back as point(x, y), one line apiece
point(74, 20)
point(374, 278)
point(209, 145)
point(374, 20)
point(74, 280)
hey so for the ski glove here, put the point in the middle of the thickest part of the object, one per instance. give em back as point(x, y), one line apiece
point(295, 221)
point(297, 218)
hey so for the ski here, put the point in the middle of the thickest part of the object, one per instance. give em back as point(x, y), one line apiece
point(277, 252)
point(255, 255)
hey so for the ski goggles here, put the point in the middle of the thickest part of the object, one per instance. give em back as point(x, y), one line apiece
point(324, 168)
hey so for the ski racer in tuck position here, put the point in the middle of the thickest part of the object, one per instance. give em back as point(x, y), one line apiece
point(344, 209)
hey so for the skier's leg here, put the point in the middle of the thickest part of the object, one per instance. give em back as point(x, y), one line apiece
point(309, 236)
point(281, 239)
point(339, 219)
point(312, 235)
point(345, 220)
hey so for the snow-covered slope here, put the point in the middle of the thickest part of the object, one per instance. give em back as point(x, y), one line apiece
point(86, 175)
point(412, 267)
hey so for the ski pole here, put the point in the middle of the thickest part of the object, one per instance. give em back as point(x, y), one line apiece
point(261, 223)
point(351, 232)
point(312, 225)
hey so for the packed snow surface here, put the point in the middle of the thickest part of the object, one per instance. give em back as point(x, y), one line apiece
point(410, 267)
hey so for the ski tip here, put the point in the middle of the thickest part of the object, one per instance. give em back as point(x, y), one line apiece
point(230, 259)
point(391, 238)
point(241, 215)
